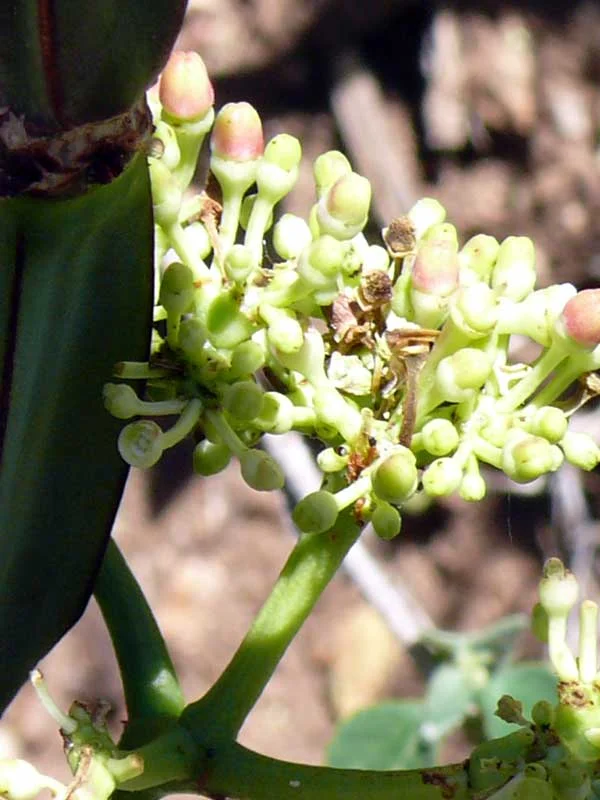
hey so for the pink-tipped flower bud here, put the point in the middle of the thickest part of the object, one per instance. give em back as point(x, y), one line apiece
point(237, 134)
point(185, 90)
point(581, 318)
point(436, 268)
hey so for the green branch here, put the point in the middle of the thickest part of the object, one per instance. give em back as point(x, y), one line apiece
point(220, 714)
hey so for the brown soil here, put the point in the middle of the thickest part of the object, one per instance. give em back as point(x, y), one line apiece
point(495, 110)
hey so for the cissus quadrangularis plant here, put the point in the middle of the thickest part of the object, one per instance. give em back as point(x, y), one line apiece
point(76, 245)
point(398, 359)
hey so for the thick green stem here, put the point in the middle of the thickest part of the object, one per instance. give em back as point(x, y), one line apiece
point(220, 714)
point(149, 680)
point(241, 773)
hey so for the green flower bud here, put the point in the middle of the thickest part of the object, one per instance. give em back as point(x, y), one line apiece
point(439, 437)
point(166, 194)
point(550, 423)
point(210, 458)
point(395, 479)
point(526, 457)
point(477, 258)
point(458, 375)
point(425, 213)
point(315, 513)
point(291, 235)
point(442, 232)
point(570, 779)
point(284, 332)
point(185, 91)
point(474, 310)
point(140, 444)
point(177, 289)
point(330, 460)
point(191, 340)
point(514, 272)
point(165, 139)
point(343, 210)
point(542, 712)
point(386, 521)
point(243, 400)
point(442, 477)
point(472, 487)
point(376, 259)
point(226, 325)
point(246, 359)
point(120, 400)
point(277, 171)
point(260, 471)
point(558, 589)
point(328, 168)
point(321, 263)
point(580, 318)
point(332, 409)
point(198, 239)
point(276, 413)
point(238, 263)
point(581, 450)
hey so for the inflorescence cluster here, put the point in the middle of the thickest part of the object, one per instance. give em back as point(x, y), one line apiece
point(397, 356)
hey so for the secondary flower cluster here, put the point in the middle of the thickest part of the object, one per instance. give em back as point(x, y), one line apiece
point(397, 355)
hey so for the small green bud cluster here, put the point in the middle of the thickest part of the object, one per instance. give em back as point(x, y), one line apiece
point(397, 357)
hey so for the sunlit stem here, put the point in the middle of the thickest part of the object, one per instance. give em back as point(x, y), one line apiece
point(588, 641)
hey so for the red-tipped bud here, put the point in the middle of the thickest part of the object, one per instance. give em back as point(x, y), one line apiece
point(185, 90)
point(436, 268)
point(237, 133)
point(581, 318)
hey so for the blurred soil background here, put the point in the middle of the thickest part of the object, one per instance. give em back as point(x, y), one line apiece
point(493, 108)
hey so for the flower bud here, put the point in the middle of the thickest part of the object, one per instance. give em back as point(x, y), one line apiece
point(558, 589)
point(343, 210)
point(477, 258)
point(177, 289)
point(237, 133)
point(395, 479)
point(442, 232)
point(165, 139)
point(580, 318)
point(536, 316)
point(238, 263)
point(191, 339)
point(442, 477)
point(210, 458)
point(316, 513)
point(19, 780)
point(549, 422)
point(166, 194)
point(120, 400)
point(456, 376)
point(291, 235)
point(260, 471)
point(526, 457)
point(328, 168)
point(276, 413)
point(472, 487)
point(321, 263)
point(226, 325)
point(439, 437)
point(514, 272)
point(284, 331)
point(474, 310)
point(425, 213)
point(581, 450)
point(247, 358)
point(185, 91)
point(386, 521)
point(330, 460)
point(435, 270)
point(277, 172)
point(198, 239)
point(243, 400)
